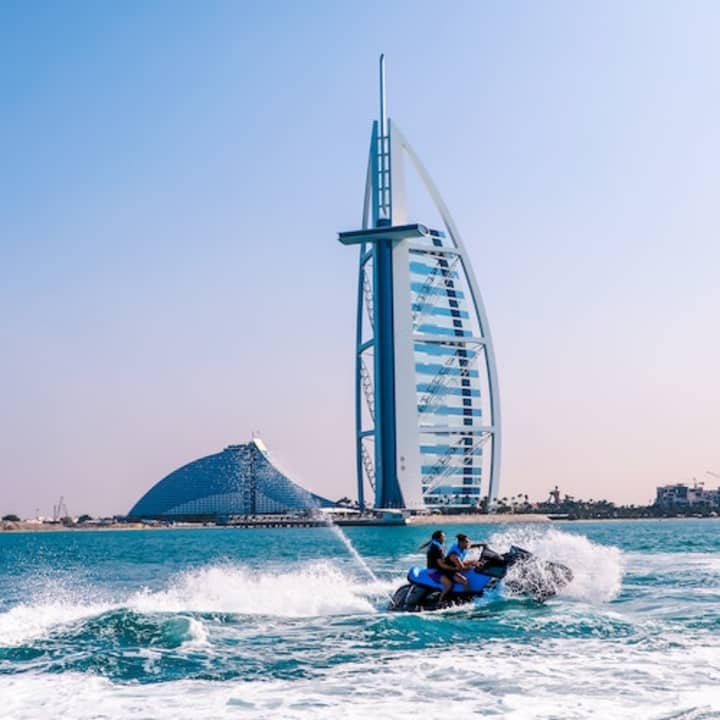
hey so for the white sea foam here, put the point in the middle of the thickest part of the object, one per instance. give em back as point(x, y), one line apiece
point(597, 569)
point(303, 591)
point(566, 678)
point(659, 564)
point(197, 636)
point(28, 621)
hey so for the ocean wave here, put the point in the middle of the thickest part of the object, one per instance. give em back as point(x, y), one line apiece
point(316, 589)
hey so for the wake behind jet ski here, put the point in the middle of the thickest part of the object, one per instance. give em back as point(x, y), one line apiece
point(521, 571)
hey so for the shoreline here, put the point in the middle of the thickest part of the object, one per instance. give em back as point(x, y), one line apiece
point(412, 521)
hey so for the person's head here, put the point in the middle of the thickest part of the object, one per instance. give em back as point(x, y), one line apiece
point(438, 536)
point(463, 541)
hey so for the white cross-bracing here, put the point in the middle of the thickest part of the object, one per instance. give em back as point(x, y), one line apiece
point(368, 294)
point(368, 465)
point(367, 386)
point(423, 307)
point(432, 480)
point(443, 378)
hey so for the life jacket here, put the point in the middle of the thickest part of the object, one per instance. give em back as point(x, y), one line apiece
point(455, 550)
point(442, 551)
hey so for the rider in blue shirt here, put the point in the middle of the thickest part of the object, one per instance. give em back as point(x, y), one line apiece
point(456, 558)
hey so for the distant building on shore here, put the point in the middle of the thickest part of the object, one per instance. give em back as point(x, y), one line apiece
point(681, 495)
point(240, 480)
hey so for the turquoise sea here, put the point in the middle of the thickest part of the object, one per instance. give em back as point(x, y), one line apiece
point(288, 623)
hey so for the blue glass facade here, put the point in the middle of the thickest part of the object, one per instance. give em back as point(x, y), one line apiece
point(240, 480)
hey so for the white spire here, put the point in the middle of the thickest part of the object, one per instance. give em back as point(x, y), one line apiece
point(383, 99)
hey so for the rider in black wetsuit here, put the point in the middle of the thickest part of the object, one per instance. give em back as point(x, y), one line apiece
point(436, 561)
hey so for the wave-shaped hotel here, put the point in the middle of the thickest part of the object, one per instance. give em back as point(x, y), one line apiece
point(427, 410)
point(427, 413)
point(240, 480)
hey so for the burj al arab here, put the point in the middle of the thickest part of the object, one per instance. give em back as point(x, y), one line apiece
point(427, 411)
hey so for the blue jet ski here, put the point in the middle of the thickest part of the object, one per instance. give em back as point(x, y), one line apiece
point(521, 572)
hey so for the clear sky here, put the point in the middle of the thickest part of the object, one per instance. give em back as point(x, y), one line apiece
point(173, 176)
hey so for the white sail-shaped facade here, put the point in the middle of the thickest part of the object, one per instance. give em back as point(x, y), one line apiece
point(427, 407)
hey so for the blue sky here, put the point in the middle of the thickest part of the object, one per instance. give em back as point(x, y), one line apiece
point(174, 174)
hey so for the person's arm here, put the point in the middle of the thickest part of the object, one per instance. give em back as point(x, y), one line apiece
point(459, 564)
point(455, 563)
point(446, 563)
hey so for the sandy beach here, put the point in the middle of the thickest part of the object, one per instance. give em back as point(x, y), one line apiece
point(477, 519)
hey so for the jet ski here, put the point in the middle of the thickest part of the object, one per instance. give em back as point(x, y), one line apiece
point(520, 571)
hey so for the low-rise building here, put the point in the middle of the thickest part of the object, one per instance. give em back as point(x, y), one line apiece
point(682, 495)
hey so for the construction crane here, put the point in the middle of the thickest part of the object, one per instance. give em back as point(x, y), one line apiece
point(713, 474)
point(60, 510)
